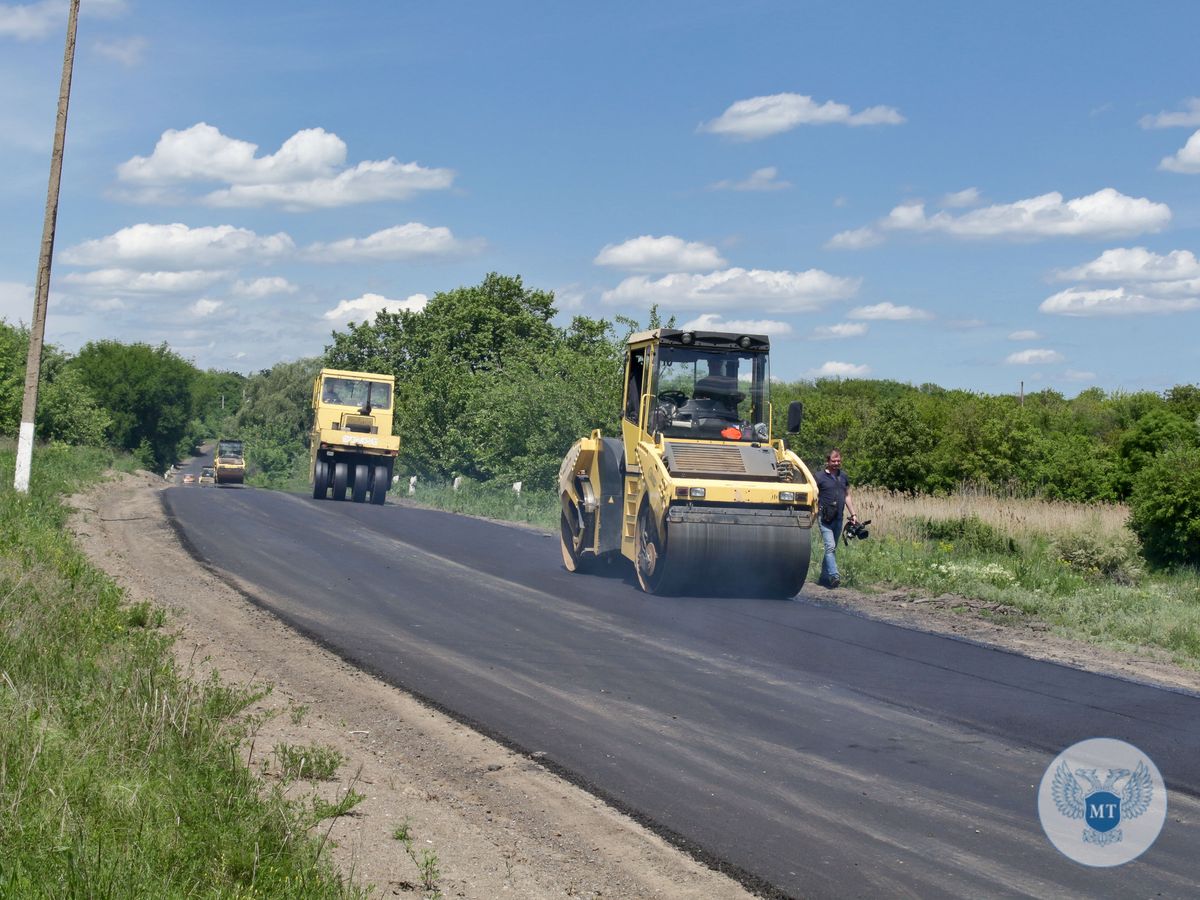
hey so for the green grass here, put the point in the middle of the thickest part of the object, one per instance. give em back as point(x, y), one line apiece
point(1085, 586)
point(313, 762)
point(118, 776)
point(487, 499)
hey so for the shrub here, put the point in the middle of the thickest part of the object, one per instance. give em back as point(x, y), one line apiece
point(970, 532)
point(1165, 508)
point(1100, 556)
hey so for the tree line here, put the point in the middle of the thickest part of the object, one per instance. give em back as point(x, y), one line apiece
point(146, 400)
point(489, 388)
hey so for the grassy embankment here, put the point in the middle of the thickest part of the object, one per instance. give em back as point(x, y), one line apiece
point(119, 776)
point(1074, 567)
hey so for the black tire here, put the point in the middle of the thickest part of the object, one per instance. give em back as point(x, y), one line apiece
point(362, 482)
point(341, 474)
point(573, 558)
point(651, 560)
point(320, 486)
point(380, 481)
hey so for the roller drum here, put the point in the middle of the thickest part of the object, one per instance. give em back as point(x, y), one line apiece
point(728, 552)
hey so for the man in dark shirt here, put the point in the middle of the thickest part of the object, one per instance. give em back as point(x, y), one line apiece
point(833, 499)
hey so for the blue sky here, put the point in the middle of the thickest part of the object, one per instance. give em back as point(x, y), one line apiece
point(975, 195)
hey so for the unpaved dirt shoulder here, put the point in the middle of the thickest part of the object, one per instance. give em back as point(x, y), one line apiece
point(499, 824)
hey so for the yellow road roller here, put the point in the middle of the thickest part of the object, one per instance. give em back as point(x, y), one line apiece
point(229, 461)
point(695, 493)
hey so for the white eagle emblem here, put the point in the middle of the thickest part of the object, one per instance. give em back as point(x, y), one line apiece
point(1099, 805)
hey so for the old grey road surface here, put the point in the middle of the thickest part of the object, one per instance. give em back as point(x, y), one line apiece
point(809, 752)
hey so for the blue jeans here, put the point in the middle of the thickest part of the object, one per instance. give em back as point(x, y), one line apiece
point(830, 534)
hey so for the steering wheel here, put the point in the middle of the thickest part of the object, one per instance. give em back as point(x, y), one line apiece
point(676, 398)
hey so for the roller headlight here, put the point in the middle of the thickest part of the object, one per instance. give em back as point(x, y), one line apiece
point(696, 493)
point(787, 496)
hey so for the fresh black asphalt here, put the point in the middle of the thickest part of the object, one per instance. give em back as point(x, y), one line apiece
point(808, 751)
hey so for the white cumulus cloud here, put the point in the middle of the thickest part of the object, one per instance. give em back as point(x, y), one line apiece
point(203, 308)
point(889, 312)
point(307, 172)
point(764, 179)
point(838, 332)
point(178, 247)
point(411, 241)
point(203, 153)
point(1026, 335)
point(132, 281)
point(16, 302)
point(126, 51)
point(365, 308)
point(780, 292)
point(1120, 301)
point(1033, 357)
point(31, 21)
point(1187, 160)
point(660, 254)
point(1188, 117)
point(714, 322)
point(834, 369)
point(1134, 264)
point(263, 287)
point(760, 117)
point(1106, 213)
point(1078, 375)
point(961, 199)
point(855, 239)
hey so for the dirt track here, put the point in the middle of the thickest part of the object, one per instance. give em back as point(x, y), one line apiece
point(499, 823)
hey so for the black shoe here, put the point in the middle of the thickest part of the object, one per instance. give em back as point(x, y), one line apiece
point(834, 582)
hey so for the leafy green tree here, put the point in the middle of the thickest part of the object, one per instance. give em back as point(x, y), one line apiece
point(68, 412)
point(897, 448)
point(1073, 467)
point(1165, 507)
point(532, 411)
point(14, 346)
point(146, 390)
point(1151, 434)
point(275, 418)
point(487, 386)
point(1184, 401)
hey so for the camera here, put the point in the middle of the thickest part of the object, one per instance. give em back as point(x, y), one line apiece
point(856, 530)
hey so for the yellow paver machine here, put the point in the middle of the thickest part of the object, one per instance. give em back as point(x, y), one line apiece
point(695, 493)
point(352, 446)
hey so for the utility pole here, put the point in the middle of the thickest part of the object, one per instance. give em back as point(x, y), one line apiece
point(1022, 393)
point(33, 363)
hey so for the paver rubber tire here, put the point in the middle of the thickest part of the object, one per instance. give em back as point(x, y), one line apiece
point(379, 485)
point(362, 482)
point(320, 488)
